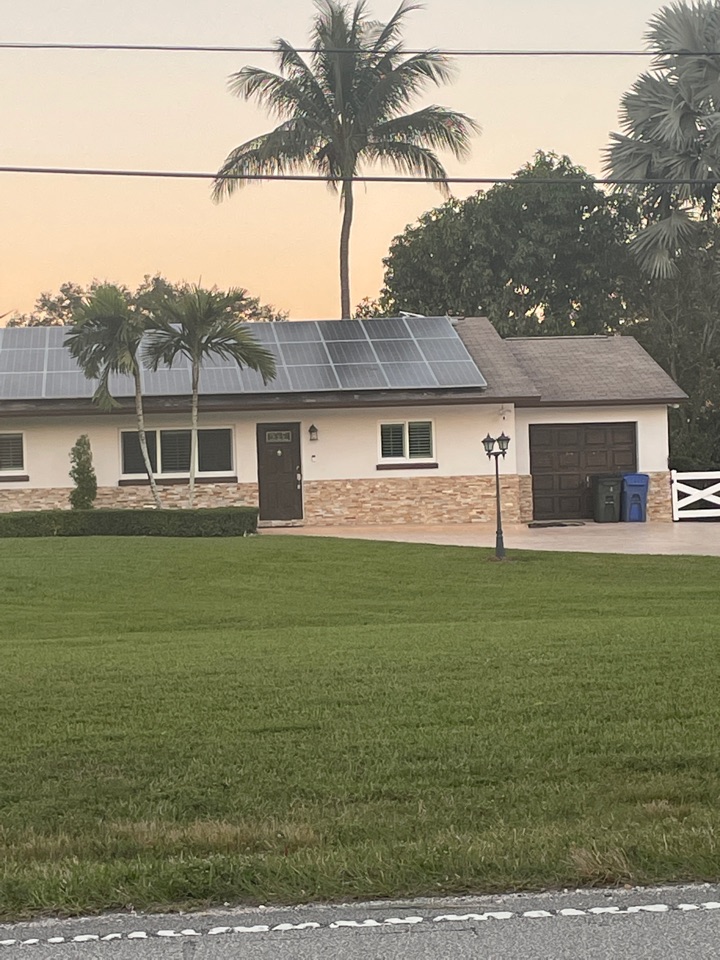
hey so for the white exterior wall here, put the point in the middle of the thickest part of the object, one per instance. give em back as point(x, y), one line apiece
point(347, 445)
point(652, 430)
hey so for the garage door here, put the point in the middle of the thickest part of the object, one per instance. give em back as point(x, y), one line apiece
point(563, 458)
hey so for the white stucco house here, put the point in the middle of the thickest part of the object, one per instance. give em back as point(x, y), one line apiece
point(376, 421)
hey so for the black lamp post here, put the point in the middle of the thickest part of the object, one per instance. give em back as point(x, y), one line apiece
point(503, 442)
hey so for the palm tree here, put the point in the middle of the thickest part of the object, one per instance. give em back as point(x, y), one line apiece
point(346, 107)
point(671, 124)
point(198, 324)
point(105, 340)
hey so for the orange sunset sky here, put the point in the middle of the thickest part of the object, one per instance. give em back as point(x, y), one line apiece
point(172, 111)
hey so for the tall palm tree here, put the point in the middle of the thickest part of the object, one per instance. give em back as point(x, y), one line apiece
point(671, 131)
point(198, 324)
point(347, 106)
point(105, 339)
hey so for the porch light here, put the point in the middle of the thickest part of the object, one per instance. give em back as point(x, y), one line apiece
point(313, 432)
point(503, 442)
point(488, 443)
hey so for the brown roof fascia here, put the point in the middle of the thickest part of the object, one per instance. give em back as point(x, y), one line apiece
point(259, 402)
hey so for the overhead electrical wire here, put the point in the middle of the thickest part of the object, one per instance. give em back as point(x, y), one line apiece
point(191, 48)
point(319, 178)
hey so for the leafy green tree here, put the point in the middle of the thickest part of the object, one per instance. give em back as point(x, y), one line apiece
point(670, 123)
point(534, 257)
point(682, 332)
point(106, 340)
point(346, 107)
point(60, 309)
point(199, 324)
point(82, 472)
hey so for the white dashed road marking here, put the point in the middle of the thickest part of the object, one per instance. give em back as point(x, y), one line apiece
point(495, 915)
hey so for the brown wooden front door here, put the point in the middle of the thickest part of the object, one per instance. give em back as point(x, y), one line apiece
point(565, 456)
point(279, 471)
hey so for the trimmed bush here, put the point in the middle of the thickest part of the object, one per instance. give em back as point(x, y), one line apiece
point(83, 495)
point(204, 522)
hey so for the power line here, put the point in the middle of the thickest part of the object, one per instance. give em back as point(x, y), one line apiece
point(187, 48)
point(319, 178)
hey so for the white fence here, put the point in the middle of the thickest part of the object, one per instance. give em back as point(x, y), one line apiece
point(687, 495)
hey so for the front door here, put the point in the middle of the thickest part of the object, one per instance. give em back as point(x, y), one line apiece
point(279, 471)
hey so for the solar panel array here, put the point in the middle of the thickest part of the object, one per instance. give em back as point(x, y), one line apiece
point(311, 356)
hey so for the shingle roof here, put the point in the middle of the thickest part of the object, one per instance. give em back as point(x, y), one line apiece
point(566, 370)
point(506, 378)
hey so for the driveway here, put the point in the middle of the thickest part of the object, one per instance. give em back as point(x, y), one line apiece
point(686, 537)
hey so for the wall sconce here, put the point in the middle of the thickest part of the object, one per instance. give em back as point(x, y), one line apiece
point(313, 432)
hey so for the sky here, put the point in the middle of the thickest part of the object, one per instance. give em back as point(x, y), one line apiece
point(172, 111)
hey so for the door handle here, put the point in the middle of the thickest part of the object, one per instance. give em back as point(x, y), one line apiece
point(299, 477)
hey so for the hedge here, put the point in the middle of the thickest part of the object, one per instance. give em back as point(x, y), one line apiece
point(204, 522)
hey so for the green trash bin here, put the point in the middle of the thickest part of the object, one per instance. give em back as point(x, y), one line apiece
point(607, 497)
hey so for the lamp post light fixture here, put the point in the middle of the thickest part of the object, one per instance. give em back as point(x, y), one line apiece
point(502, 442)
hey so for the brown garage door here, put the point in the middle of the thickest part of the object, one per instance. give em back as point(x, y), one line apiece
point(563, 458)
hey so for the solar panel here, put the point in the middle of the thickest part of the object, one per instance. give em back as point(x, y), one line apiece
point(386, 329)
point(451, 374)
point(68, 384)
point(360, 376)
point(398, 351)
point(21, 386)
point(410, 375)
point(311, 356)
point(308, 379)
point(342, 330)
point(22, 361)
point(351, 351)
point(303, 353)
point(288, 332)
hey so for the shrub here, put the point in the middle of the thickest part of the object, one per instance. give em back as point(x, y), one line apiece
point(82, 496)
point(205, 522)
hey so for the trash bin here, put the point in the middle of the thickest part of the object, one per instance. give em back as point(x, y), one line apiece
point(606, 489)
point(634, 497)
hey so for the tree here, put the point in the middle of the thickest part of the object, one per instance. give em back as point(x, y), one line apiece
point(199, 324)
point(106, 340)
point(82, 472)
point(59, 309)
point(671, 132)
point(533, 257)
point(346, 107)
point(682, 333)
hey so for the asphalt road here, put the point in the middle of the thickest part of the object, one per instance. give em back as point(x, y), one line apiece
point(671, 923)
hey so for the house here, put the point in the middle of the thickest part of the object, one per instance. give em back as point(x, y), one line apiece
point(375, 421)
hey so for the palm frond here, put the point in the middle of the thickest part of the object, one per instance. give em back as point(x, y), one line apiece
point(388, 35)
point(385, 90)
point(409, 158)
point(291, 147)
point(657, 247)
point(282, 97)
point(434, 127)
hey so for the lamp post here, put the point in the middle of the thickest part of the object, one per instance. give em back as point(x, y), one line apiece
point(502, 442)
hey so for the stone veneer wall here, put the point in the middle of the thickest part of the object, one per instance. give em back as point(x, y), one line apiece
point(382, 500)
point(410, 500)
point(175, 495)
point(659, 506)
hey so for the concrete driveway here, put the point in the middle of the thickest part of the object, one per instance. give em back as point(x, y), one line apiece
point(686, 537)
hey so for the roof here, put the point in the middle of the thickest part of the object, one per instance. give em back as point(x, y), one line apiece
point(557, 371)
point(329, 363)
point(423, 353)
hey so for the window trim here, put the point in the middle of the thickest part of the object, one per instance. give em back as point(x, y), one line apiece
point(179, 477)
point(15, 474)
point(406, 461)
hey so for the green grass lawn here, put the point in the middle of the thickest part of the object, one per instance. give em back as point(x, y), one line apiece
point(282, 719)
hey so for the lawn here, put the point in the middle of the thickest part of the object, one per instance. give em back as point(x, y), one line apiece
point(276, 719)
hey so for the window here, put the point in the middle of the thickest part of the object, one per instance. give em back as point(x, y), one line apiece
point(214, 452)
point(12, 459)
point(407, 441)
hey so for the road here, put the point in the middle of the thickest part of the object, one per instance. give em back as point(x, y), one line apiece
point(671, 923)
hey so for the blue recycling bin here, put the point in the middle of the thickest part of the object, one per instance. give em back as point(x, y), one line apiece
point(634, 498)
